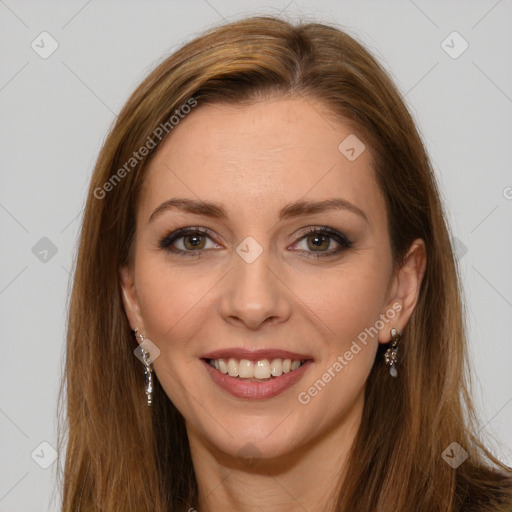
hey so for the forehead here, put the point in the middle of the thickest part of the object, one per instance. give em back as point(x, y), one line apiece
point(261, 154)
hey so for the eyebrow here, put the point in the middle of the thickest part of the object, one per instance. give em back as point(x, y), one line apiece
point(296, 209)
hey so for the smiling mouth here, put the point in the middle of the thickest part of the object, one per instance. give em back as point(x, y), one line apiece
point(260, 370)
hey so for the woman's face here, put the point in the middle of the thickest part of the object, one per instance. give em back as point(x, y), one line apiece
point(250, 289)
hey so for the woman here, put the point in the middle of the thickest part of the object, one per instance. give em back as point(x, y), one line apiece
point(266, 311)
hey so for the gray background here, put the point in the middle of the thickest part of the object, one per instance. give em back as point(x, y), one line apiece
point(56, 113)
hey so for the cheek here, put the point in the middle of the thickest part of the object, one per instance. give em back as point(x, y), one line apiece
point(347, 301)
point(170, 299)
point(349, 310)
point(173, 305)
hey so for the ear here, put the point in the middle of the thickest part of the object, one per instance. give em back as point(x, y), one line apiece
point(404, 290)
point(130, 300)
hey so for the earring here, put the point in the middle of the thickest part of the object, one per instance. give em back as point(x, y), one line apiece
point(391, 355)
point(148, 377)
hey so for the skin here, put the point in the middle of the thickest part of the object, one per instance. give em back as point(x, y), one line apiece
point(269, 154)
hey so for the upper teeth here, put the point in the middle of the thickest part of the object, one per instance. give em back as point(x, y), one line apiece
point(261, 369)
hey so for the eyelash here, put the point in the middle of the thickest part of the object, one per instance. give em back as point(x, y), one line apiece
point(167, 241)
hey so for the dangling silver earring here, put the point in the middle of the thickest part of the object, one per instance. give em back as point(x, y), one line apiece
point(148, 377)
point(391, 355)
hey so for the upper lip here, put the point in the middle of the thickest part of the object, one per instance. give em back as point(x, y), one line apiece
point(255, 355)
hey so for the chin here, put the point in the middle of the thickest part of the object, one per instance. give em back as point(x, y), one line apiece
point(262, 436)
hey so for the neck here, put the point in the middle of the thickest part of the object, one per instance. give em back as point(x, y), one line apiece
point(308, 478)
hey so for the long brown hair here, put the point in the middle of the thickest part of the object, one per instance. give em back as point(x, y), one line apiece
point(122, 455)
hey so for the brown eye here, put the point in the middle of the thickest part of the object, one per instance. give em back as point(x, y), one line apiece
point(195, 241)
point(317, 241)
point(186, 241)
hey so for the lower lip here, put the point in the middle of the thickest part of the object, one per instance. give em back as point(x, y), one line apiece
point(244, 388)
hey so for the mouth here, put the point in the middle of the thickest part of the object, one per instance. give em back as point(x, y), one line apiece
point(255, 375)
point(259, 370)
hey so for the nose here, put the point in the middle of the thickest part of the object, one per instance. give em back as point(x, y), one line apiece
point(253, 294)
